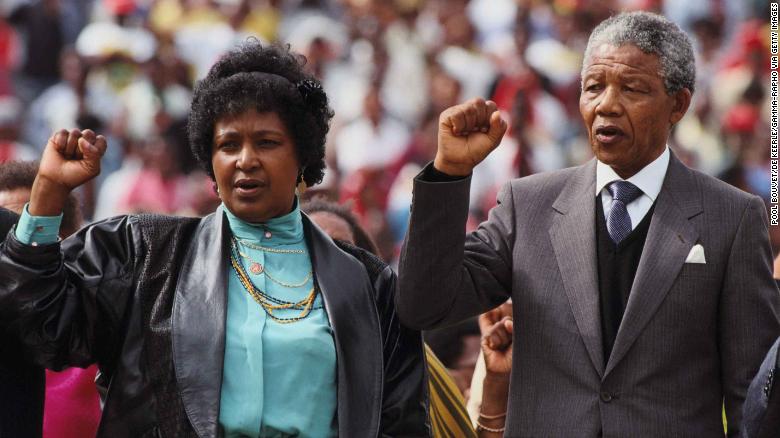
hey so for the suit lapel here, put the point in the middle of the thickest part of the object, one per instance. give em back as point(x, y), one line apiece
point(199, 312)
point(669, 239)
point(573, 236)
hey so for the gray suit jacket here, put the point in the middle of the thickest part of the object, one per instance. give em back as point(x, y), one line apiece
point(692, 336)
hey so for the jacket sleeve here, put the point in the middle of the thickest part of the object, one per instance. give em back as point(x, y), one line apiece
point(69, 299)
point(749, 319)
point(761, 412)
point(444, 275)
point(405, 392)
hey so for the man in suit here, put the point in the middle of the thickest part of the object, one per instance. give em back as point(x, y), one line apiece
point(642, 290)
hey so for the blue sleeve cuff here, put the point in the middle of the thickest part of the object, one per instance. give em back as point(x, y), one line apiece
point(37, 230)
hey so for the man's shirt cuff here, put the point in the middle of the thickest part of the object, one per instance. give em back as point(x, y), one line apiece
point(37, 230)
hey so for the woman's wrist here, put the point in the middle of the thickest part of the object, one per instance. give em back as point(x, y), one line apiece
point(47, 198)
point(495, 391)
point(496, 382)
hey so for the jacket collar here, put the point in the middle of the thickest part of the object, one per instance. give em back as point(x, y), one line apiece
point(198, 332)
point(575, 253)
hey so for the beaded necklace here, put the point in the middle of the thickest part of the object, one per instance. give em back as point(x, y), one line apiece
point(257, 269)
point(268, 302)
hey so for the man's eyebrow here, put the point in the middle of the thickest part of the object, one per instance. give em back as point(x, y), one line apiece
point(637, 77)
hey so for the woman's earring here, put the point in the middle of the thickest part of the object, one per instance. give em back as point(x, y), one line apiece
point(301, 187)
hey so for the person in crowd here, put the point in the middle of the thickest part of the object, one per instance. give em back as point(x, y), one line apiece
point(21, 384)
point(338, 222)
point(761, 412)
point(11, 148)
point(457, 347)
point(761, 416)
point(496, 328)
point(642, 289)
point(71, 402)
point(16, 181)
point(447, 408)
point(248, 322)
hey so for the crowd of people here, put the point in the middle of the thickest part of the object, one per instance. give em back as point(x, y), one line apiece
point(126, 69)
point(129, 70)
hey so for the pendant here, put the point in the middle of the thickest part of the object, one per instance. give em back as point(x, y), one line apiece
point(256, 268)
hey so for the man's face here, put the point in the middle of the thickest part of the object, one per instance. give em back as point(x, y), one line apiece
point(626, 109)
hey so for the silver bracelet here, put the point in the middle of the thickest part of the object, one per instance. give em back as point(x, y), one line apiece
point(491, 417)
point(480, 426)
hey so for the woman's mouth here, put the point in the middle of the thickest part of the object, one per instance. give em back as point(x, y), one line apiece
point(248, 187)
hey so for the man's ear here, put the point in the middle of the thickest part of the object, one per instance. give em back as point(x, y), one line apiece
point(682, 100)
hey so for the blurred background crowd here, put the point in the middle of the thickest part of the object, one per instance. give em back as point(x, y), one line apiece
point(126, 69)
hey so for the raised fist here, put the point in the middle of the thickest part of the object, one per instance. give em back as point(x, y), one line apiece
point(70, 159)
point(467, 134)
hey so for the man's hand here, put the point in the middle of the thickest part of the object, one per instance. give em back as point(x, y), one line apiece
point(497, 328)
point(70, 159)
point(467, 134)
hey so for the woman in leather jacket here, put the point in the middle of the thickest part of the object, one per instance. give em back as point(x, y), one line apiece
point(248, 322)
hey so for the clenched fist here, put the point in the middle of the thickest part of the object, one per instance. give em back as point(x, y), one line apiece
point(70, 159)
point(467, 134)
point(497, 329)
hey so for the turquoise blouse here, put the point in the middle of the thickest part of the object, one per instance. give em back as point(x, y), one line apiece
point(279, 380)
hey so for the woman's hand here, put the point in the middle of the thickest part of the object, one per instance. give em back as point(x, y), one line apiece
point(70, 159)
point(497, 328)
point(467, 134)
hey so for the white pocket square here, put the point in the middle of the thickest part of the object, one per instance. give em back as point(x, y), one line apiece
point(696, 255)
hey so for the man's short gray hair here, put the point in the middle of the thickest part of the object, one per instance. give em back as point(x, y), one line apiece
point(651, 33)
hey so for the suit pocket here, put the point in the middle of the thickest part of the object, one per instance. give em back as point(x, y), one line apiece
point(697, 270)
point(695, 292)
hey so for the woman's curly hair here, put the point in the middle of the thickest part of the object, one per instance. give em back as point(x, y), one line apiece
point(269, 79)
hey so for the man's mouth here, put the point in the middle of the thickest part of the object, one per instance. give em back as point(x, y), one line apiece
point(608, 134)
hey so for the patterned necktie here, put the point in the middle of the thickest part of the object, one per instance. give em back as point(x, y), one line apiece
point(619, 222)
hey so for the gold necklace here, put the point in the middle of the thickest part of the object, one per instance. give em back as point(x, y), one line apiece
point(270, 303)
point(257, 269)
point(268, 249)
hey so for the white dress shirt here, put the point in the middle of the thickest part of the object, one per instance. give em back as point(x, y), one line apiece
point(649, 181)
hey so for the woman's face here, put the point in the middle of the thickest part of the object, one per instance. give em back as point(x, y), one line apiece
point(255, 165)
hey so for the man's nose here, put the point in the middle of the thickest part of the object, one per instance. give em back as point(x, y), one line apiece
point(610, 104)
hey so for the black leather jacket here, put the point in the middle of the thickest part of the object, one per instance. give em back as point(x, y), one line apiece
point(145, 297)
